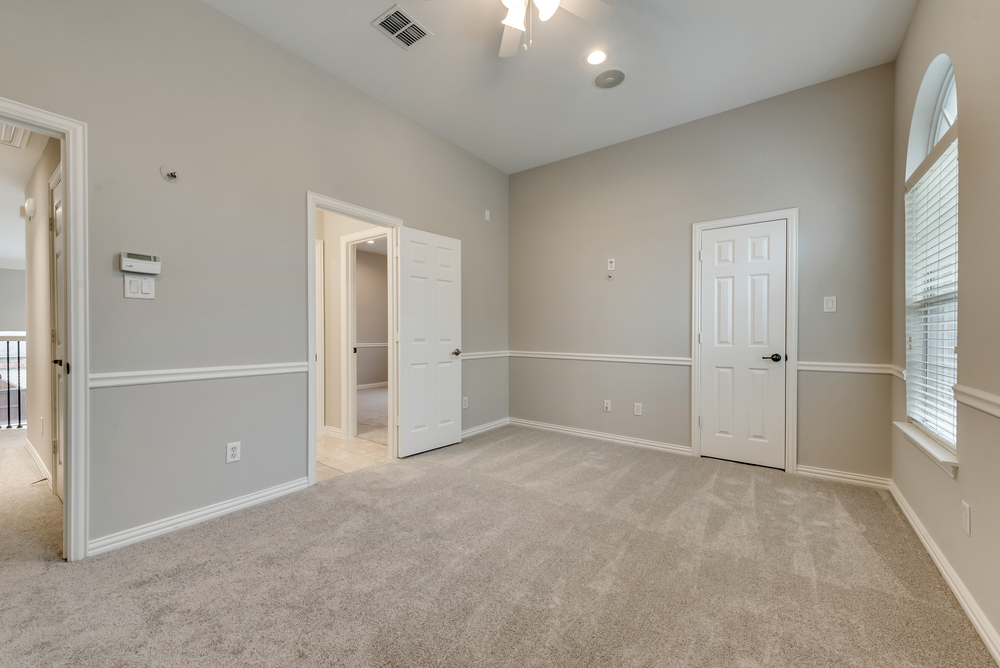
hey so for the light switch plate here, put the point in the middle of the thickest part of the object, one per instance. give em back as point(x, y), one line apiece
point(611, 264)
point(139, 287)
point(637, 409)
point(487, 214)
point(829, 304)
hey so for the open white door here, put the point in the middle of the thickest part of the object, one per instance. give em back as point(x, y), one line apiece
point(430, 341)
point(60, 365)
point(742, 334)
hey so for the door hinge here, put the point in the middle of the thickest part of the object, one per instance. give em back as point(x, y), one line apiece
point(699, 256)
point(699, 337)
point(396, 251)
point(53, 336)
point(54, 446)
point(699, 420)
point(397, 336)
point(397, 420)
point(51, 224)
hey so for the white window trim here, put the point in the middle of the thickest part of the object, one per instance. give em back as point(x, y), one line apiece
point(942, 453)
point(930, 446)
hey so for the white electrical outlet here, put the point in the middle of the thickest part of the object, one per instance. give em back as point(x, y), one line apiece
point(611, 264)
point(607, 405)
point(829, 304)
point(232, 452)
point(637, 409)
point(966, 518)
point(465, 402)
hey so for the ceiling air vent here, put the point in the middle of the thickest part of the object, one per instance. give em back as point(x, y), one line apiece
point(401, 27)
point(13, 135)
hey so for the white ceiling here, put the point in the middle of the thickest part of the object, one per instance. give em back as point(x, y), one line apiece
point(374, 246)
point(684, 60)
point(16, 166)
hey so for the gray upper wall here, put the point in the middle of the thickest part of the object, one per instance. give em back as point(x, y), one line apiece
point(250, 127)
point(13, 314)
point(826, 149)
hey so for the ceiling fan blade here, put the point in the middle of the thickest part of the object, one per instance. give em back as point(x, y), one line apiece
point(594, 11)
point(511, 40)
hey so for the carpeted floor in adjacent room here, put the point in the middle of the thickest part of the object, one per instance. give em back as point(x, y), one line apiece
point(515, 548)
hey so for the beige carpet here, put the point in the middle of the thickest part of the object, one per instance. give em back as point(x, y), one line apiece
point(515, 548)
point(373, 414)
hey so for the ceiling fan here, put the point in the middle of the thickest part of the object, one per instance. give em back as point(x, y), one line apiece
point(594, 11)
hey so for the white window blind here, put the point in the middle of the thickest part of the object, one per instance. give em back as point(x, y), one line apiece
point(932, 297)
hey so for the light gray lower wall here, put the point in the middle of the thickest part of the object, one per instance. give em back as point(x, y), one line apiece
point(571, 393)
point(825, 149)
point(937, 500)
point(843, 423)
point(373, 365)
point(160, 450)
point(13, 315)
point(485, 383)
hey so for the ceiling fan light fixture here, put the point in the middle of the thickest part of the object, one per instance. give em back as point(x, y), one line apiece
point(546, 8)
point(597, 57)
point(515, 16)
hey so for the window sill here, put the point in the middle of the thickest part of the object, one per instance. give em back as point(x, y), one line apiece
point(939, 454)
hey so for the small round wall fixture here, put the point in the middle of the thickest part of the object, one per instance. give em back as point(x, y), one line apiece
point(169, 174)
point(597, 57)
point(609, 79)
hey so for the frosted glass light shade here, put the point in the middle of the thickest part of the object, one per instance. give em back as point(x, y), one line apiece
point(515, 17)
point(546, 8)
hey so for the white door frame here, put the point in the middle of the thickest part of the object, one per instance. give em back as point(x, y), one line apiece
point(314, 203)
point(320, 355)
point(791, 325)
point(73, 135)
point(349, 326)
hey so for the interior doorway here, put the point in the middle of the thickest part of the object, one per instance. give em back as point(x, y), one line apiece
point(422, 336)
point(365, 309)
point(744, 339)
point(32, 334)
point(338, 446)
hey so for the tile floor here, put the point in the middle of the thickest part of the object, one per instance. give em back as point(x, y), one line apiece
point(336, 456)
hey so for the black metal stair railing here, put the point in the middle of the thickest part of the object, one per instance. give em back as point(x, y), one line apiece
point(13, 383)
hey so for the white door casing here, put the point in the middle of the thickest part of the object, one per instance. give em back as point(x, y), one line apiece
point(58, 311)
point(744, 303)
point(430, 341)
point(320, 355)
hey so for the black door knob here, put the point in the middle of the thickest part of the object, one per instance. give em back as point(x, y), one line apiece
point(774, 358)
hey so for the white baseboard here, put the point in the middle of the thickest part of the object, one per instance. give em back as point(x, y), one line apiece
point(979, 620)
point(614, 438)
point(496, 424)
point(843, 476)
point(159, 527)
point(371, 385)
point(331, 431)
point(39, 462)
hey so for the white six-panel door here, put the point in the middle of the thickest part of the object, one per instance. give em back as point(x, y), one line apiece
point(743, 315)
point(430, 341)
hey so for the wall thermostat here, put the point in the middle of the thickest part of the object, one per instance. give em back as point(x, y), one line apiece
point(137, 263)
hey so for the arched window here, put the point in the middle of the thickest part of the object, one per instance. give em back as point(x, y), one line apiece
point(932, 256)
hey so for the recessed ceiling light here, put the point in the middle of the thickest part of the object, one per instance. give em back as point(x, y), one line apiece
point(597, 57)
point(371, 241)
